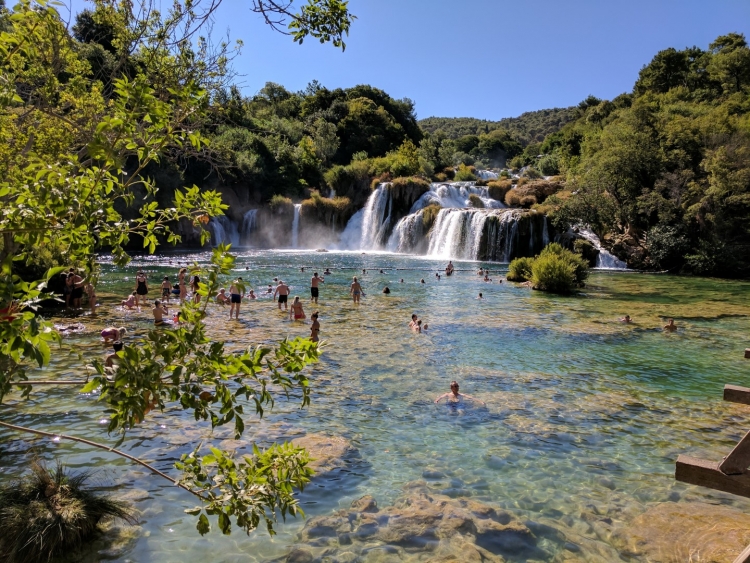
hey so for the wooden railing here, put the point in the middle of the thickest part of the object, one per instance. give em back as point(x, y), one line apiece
point(730, 475)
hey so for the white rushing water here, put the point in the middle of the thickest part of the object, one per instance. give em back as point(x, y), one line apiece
point(604, 260)
point(223, 230)
point(249, 225)
point(295, 225)
point(486, 175)
point(376, 219)
point(455, 194)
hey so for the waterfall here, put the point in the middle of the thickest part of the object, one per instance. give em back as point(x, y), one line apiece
point(458, 233)
point(486, 175)
point(249, 225)
point(223, 230)
point(604, 260)
point(545, 233)
point(407, 234)
point(295, 225)
point(455, 194)
point(376, 218)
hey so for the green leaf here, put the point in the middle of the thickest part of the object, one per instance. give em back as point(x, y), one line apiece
point(203, 525)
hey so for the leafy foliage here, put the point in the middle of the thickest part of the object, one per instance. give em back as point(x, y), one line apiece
point(555, 269)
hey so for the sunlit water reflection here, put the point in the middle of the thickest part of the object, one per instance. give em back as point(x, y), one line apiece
point(581, 409)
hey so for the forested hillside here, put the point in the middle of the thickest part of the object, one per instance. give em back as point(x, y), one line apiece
point(532, 126)
point(663, 172)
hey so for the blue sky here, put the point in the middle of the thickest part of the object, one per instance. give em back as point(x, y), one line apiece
point(483, 58)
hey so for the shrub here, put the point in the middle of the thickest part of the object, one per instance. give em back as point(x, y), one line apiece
point(587, 250)
point(482, 182)
point(504, 174)
point(519, 269)
point(440, 177)
point(449, 172)
point(521, 182)
point(465, 173)
point(553, 273)
point(548, 165)
point(531, 173)
point(51, 513)
point(498, 188)
point(527, 201)
point(580, 266)
point(476, 201)
point(279, 203)
point(513, 199)
point(429, 214)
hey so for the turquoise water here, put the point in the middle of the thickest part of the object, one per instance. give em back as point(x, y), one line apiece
point(581, 410)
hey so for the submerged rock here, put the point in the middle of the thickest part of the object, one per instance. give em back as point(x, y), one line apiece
point(327, 452)
point(686, 531)
point(437, 526)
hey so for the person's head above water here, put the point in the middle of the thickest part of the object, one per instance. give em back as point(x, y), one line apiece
point(454, 387)
point(414, 316)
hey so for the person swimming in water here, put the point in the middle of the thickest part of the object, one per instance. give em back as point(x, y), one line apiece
point(413, 320)
point(417, 327)
point(386, 290)
point(626, 319)
point(670, 326)
point(455, 397)
point(480, 296)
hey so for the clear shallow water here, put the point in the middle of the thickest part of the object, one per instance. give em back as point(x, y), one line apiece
point(581, 410)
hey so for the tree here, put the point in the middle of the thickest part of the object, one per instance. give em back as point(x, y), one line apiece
point(73, 150)
point(730, 64)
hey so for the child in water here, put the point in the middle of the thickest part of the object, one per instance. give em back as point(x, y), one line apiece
point(296, 310)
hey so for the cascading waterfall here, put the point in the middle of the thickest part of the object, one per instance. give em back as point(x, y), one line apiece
point(455, 194)
point(604, 259)
point(295, 225)
point(223, 230)
point(376, 219)
point(408, 233)
point(249, 225)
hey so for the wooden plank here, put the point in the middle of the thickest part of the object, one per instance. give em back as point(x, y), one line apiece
point(707, 474)
point(738, 459)
point(737, 394)
point(744, 557)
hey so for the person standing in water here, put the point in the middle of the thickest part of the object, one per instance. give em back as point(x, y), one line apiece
point(91, 294)
point(455, 397)
point(77, 289)
point(236, 293)
point(314, 287)
point(355, 290)
point(670, 326)
point(141, 288)
point(182, 284)
point(283, 291)
point(315, 327)
point(296, 310)
point(166, 289)
point(159, 310)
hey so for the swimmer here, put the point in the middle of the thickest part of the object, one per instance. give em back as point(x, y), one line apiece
point(480, 272)
point(251, 295)
point(626, 319)
point(327, 272)
point(421, 281)
point(283, 290)
point(425, 327)
point(401, 281)
point(364, 271)
point(413, 321)
point(91, 294)
point(296, 310)
point(381, 271)
point(236, 293)
point(270, 288)
point(449, 268)
point(314, 327)
point(455, 397)
point(417, 327)
point(314, 290)
point(141, 288)
point(166, 289)
point(302, 269)
point(222, 298)
point(487, 278)
point(386, 290)
point(130, 302)
point(113, 358)
point(111, 333)
point(670, 326)
point(480, 296)
point(159, 310)
point(355, 290)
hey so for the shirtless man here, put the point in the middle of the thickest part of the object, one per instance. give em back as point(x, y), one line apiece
point(327, 272)
point(159, 310)
point(91, 294)
point(113, 358)
point(314, 287)
point(355, 290)
point(417, 327)
point(670, 326)
point(283, 292)
point(626, 319)
point(236, 293)
point(455, 397)
point(314, 327)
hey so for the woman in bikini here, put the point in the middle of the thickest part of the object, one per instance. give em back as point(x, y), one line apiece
point(195, 286)
point(141, 288)
point(355, 290)
point(296, 310)
point(315, 327)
